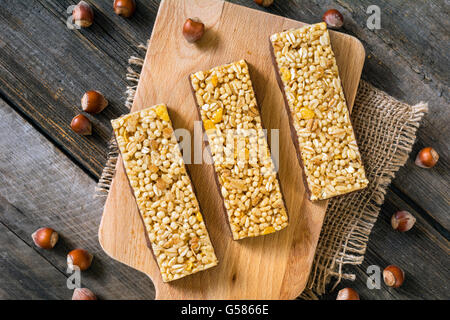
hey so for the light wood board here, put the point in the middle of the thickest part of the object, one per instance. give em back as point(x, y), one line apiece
point(275, 266)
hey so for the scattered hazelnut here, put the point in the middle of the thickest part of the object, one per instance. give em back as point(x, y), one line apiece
point(333, 19)
point(124, 8)
point(83, 294)
point(402, 221)
point(45, 238)
point(80, 258)
point(427, 158)
point(193, 30)
point(393, 276)
point(93, 102)
point(81, 125)
point(264, 3)
point(347, 294)
point(83, 15)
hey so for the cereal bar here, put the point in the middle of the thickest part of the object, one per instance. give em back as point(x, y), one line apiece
point(319, 118)
point(164, 193)
point(246, 176)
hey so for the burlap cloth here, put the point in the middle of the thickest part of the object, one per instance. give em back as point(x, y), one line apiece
point(385, 129)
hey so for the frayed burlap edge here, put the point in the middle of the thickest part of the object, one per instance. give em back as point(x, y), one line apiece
point(386, 131)
point(133, 73)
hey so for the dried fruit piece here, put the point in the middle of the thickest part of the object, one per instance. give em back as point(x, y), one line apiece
point(268, 230)
point(209, 125)
point(285, 74)
point(217, 116)
point(307, 113)
point(161, 111)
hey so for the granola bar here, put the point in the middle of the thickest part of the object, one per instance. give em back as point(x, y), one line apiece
point(319, 118)
point(246, 175)
point(164, 193)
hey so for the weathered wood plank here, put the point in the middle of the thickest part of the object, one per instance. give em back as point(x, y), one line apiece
point(411, 62)
point(422, 253)
point(25, 274)
point(45, 68)
point(42, 187)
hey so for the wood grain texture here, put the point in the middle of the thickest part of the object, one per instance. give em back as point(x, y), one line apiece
point(286, 255)
point(422, 253)
point(45, 76)
point(24, 274)
point(42, 187)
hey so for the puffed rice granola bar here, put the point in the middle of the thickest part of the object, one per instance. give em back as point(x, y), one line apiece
point(326, 144)
point(248, 183)
point(164, 193)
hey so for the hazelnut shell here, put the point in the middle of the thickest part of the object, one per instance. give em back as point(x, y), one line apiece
point(81, 125)
point(45, 238)
point(264, 3)
point(333, 18)
point(93, 102)
point(347, 294)
point(124, 8)
point(83, 15)
point(427, 158)
point(402, 221)
point(83, 294)
point(80, 258)
point(393, 276)
point(193, 30)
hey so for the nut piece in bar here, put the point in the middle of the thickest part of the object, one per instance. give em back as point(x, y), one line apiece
point(319, 119)
point(245, 173)
point(164, 193)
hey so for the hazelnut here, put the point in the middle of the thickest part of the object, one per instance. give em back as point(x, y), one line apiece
point(393, 276)
point(83, 294)
point(80, 258)
point(193, 30)
point(81, 125)
point(333, 19)
point(427, 158)
point(402, 221)
point(124, 8)
point(264, 3)
point(45, 238)
point(83, 15)
point(93, 102)
point(347, 294)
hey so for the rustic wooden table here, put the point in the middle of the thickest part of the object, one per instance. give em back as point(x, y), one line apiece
point(48, 173)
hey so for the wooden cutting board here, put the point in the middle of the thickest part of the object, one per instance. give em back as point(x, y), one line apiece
point(275, 266)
